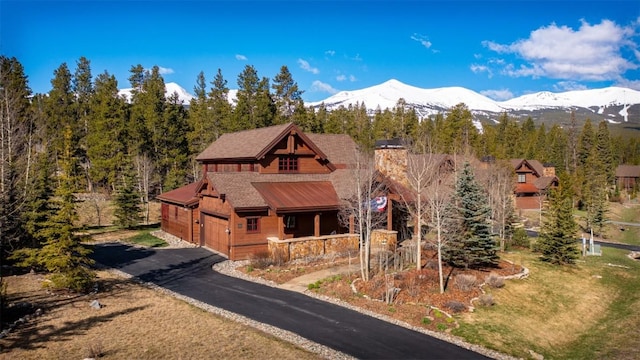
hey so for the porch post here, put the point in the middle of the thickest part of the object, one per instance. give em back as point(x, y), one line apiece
point(389, 212)
point(316, 225)
point(280, 227)
point(351, 224)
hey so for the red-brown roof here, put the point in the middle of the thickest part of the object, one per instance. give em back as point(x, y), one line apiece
point(628, 171)
point(526, 188)
point(299, 196)
point(185, 196)
point(241, 194)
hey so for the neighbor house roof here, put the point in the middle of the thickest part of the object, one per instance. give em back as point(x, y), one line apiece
point(185, 196)
point(632, 171)
point(534, 165)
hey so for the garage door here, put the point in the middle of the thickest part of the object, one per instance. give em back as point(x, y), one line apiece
point(215, 235)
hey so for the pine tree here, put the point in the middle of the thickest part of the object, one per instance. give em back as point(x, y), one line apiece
point(221, 109)
point(15, 122)
point(127, 203)
point(470, 243)
point(62, 253)
point(201, 132)
point(557, 236)
point(38, 208)
point(254, 108)
point(287, 96)
point(107, 136)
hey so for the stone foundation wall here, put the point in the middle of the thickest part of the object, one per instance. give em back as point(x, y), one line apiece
point(299, 248)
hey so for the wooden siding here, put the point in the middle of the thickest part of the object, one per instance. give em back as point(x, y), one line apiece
point(178, 221)
point(528, 202)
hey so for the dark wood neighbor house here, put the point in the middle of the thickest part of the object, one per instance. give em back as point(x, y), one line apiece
point(628, 177)
point(264, 185)
point(533, 181)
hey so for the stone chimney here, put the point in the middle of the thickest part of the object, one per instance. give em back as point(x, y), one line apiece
point(549, 170)
point(391, 159)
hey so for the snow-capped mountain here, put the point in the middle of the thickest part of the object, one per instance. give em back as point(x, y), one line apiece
point(170, 88)
point(613, 103)
point(387, 94)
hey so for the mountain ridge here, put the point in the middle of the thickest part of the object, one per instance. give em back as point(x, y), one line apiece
point(611, 103)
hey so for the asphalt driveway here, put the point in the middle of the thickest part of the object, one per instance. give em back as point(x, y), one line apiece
point(187, 271)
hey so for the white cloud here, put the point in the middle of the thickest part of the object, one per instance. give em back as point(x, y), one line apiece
point(241, 57)
point(592, 52)
point(304, 65)
point(330, 52)
point(499, 95)
point(631, 84)
point(343, 77)
point(423, 40)
point(478, 69)
point(165, 71)
point(319, 86)
point(569, 86)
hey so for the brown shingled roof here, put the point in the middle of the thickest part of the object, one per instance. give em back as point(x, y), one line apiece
point(630, 171)
point(242, 144)
point(253, 144)
point(340, 149)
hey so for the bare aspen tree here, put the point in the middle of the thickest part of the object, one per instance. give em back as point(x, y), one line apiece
point(359, 212)
point(499, 183)
point(145, 170)
point(429, 179)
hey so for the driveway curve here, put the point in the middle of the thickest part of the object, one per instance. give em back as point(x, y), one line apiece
point(187, 271)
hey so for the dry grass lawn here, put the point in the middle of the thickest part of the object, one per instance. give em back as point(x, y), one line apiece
point(135, 323)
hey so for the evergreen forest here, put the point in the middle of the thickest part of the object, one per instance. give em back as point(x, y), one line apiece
point(82, 137)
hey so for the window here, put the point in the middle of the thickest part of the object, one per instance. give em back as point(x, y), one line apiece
point(522, 178)
point(289, 222)
point(253, 225)
point(288, 164)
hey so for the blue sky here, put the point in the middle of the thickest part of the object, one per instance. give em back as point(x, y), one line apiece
point(501, 49)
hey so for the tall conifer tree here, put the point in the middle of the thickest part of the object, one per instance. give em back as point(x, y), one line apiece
point(557, 240)
point(470, 244)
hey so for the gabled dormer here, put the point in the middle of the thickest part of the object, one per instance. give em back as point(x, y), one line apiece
point(280, 149)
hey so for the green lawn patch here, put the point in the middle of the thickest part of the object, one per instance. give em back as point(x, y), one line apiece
point(144, 238)
point(585, 311)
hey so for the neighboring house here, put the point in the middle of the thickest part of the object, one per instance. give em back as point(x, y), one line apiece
point(262, 187)
point(533, 181)
point(627, 176)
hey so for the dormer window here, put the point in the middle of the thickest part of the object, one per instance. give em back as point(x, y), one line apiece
point(522, 178)
point(288, 164)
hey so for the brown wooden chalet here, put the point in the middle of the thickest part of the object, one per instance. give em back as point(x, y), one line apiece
point(628, 177)
point(533, 181)
point(274, 182)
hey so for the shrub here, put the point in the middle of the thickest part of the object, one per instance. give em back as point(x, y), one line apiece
point(441, 327)
point(520, 238)
point(486, 300)
point(494, 280)
point(95, 350)
point(465, 282)
point(455, 306)
point(426, 320)
point(260, 260)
